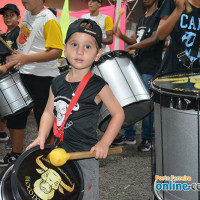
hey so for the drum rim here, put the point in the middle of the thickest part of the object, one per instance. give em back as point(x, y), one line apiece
point(159, 90)
point(4, 175)
point(17, 163)
point(8, 73)
point(112, 54)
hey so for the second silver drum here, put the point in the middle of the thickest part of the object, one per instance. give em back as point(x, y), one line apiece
point(118, 70)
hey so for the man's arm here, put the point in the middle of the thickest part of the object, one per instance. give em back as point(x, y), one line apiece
point(109, 38)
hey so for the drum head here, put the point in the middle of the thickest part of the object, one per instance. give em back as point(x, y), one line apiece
point(34, 177)
point(180, 89)
point(184, 83)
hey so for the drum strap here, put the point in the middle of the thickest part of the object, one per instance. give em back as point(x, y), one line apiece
point(60, 133)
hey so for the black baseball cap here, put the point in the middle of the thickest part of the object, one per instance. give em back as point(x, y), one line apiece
point(12, 7)
point(80, 25)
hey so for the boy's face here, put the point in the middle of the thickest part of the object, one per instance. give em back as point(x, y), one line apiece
point(93, 5)
point(81, 50)
point(31, 5)
point(10, 18)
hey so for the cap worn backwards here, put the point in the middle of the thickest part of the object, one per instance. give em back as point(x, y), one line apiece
point(12, 7)
point(81, 25)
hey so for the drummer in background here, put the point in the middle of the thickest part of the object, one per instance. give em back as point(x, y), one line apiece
point(37, 67)
point(147, 62)
point(184, 30)
point(11, 18)
point(104, 21)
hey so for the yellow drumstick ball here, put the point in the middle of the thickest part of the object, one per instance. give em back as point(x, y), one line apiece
point(58, 157)
point(121, 11)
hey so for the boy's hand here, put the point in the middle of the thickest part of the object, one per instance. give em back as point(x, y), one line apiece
point(3, 69)
point(117, 32)
point(38, 141)
point(17, 59)
point(100, 149)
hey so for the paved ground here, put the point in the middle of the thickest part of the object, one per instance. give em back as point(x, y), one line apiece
point(126, 176)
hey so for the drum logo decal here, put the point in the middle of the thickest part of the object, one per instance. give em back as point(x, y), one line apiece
point(49, 182)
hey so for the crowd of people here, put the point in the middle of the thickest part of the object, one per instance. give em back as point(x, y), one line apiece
point(36, 49)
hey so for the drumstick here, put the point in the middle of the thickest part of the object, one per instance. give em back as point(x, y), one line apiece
point(86, 154)
point(188, 8)
point(3, 41)
point(59, 156)
point(121, 12)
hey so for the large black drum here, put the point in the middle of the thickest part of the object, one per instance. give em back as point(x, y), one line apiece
point(33, 177)
point(118, 70)
point(177, 134)
point(14, 97)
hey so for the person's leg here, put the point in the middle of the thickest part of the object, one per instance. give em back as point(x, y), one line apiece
point(147, 123)
point(127, 138)
point(16, 126)
point(17, 140)
point(130, 132)
point(90, 170)
point(3, 134)
point(41, 95)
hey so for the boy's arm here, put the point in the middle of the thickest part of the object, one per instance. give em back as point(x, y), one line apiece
point(46, 123)
point(115, 124)
point(18, 59)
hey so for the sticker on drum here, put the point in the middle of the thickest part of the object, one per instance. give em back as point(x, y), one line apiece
point(14, 97)
point(118, 70)
point(33, 177)
point(177, 124)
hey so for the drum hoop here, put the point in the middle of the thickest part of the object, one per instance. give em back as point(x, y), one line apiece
point(8, 73)
point(171, 92)
point(110, 55)
point(23, 156)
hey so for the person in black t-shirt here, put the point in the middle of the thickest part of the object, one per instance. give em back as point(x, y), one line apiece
point(184, 31)
point(83, 47)
point(147, 62)
point(11, 17)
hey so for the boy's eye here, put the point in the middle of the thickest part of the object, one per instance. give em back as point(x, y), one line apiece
point(87, 46)
point(74, 44)
point(8, 15)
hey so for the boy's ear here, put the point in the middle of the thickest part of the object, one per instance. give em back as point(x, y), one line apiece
point(98, 55)
point(18, 19)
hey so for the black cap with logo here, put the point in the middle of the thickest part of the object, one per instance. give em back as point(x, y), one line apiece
point(12, 7)
point(81, 25)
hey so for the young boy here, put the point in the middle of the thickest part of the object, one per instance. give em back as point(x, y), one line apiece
point(11, 18)
point(40, 44)
point(82, 48)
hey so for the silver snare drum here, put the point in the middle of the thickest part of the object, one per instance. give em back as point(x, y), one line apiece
point(14, 97)
point(118, 70)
